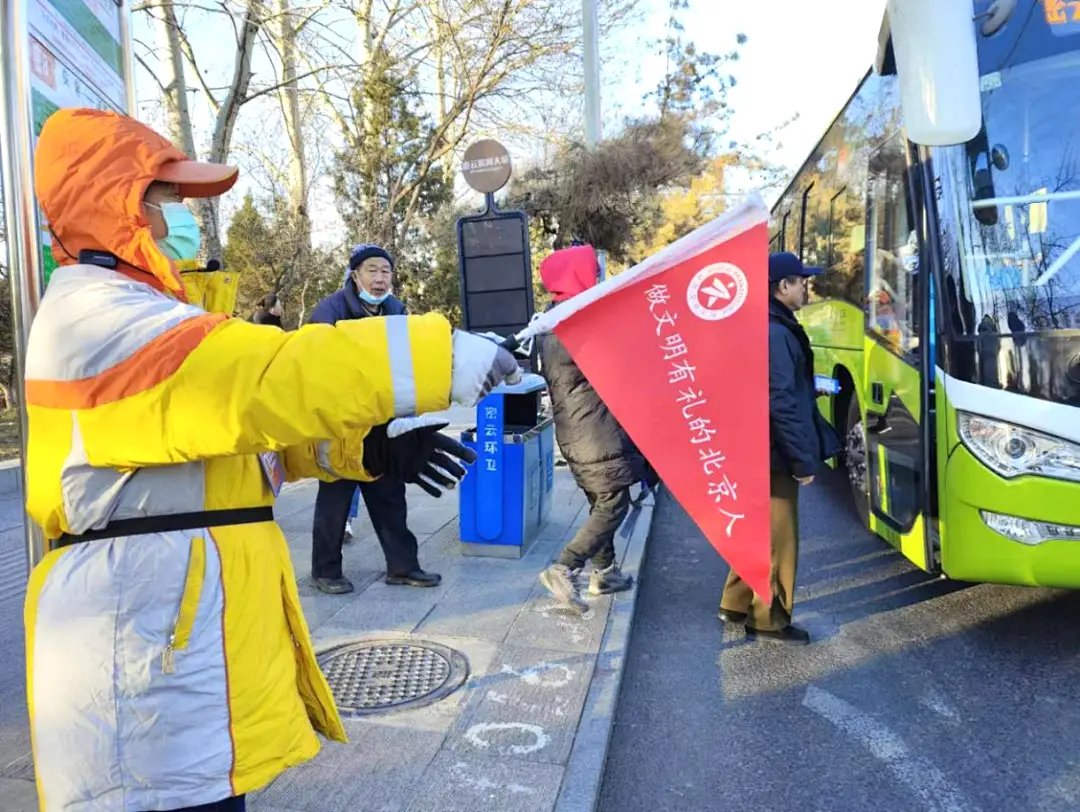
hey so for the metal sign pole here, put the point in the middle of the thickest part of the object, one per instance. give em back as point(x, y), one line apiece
point(594, 128)
point(20, 215)
point(129, 58)
point(591, 53)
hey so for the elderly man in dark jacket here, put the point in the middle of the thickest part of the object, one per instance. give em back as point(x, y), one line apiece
point(604, 461)
point(366, 293)
point(799, 440)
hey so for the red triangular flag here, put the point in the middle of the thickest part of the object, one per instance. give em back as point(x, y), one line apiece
point(678, 349)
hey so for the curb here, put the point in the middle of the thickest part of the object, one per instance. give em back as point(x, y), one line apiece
point(581, 782)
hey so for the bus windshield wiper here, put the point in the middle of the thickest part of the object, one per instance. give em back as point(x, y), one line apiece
point(1022, 200)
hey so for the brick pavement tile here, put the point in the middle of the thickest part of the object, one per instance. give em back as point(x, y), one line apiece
point(379, 770)
point(470, 783)
point(17, 795)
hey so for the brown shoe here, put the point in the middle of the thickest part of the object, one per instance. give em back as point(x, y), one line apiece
point(731, 616)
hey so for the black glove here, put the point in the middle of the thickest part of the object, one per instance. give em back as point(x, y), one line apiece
point(412, 450)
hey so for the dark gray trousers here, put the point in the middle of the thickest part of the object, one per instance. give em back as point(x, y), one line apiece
point(596, 538)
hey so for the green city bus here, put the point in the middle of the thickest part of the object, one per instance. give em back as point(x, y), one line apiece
point(949, 307)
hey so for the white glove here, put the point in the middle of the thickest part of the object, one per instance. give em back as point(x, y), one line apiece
point(479, 365)
point(403, 425)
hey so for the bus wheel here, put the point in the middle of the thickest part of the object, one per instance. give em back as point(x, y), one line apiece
point(855, 461)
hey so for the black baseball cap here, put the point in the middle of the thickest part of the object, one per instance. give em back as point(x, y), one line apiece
point(783, 264)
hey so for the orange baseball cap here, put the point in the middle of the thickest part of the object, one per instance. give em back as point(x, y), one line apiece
point(198, 179)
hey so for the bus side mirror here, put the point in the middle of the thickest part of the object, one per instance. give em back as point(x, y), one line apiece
point(932, 48)
point(981, 165)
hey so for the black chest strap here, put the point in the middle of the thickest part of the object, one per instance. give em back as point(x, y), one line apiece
point(167, 524)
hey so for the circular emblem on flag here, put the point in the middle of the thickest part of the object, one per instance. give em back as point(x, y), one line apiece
point(717, 291)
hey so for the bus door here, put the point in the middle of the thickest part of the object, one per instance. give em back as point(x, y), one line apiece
point(893, 356)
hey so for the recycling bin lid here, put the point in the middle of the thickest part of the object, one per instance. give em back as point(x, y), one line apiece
point(530, 382)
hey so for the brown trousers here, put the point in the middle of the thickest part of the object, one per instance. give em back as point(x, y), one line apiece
point(784, 545)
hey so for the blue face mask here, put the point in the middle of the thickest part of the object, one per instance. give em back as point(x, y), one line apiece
point(183, 240)
point(370, 298)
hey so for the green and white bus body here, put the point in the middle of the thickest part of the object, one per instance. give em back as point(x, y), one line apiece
point(949, 310)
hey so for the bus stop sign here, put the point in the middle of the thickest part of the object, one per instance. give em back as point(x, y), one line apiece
point(496, 272)
point(493, 249)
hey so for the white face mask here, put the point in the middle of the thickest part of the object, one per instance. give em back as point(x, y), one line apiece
point(371, 298)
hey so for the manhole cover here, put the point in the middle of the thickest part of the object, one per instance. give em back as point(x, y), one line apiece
point(382, 675)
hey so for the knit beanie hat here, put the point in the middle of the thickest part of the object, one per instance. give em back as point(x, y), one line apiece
point(367, 251)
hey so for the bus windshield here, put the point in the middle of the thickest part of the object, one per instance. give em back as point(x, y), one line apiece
point(1014, 259)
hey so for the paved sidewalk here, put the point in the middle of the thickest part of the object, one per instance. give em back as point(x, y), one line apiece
point(526, 732)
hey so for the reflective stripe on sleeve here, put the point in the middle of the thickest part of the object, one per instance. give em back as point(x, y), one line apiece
point(401, 365)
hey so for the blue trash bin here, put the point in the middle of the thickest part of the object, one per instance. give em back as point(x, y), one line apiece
point(507, 495)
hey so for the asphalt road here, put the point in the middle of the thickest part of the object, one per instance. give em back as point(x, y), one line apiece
point(917, 695)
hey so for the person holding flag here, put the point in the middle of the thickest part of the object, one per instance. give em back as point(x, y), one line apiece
point(169, 665)
point(603, 459)
point(800, 439)
point(677, 348)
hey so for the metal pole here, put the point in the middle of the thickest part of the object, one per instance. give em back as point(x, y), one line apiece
point(129, 60)
point(590, 20)
point(591, 35)
point(20, 215)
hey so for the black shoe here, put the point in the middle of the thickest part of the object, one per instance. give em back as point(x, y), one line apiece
point(789, 635)
point(415, 578)
point(333, 586)
point(731, 616)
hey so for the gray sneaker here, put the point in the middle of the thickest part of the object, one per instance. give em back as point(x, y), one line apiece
point(561, 582)
point(604, 582)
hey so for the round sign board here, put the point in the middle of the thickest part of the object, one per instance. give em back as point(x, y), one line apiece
point(486, 166)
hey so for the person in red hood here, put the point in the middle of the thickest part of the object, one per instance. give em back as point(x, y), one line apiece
point(603, 459)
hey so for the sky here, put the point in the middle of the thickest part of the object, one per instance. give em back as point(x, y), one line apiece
point(801, 57)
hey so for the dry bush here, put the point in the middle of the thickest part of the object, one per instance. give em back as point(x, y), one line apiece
point(601, 196)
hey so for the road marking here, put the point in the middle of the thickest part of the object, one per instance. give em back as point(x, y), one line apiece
point(913, 771)
point(934, 700)
point(477, 734)
point(543, 675)
point(484, 784)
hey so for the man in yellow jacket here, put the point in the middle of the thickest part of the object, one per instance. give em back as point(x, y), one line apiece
point(169, 665)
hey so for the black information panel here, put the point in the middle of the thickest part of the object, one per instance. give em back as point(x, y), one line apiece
point(496, 272)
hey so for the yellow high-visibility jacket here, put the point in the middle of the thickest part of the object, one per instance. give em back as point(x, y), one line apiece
point(213, 291)
point(175, 669)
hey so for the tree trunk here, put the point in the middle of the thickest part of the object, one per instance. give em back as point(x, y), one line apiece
point(174, 83)
point(290, 106)
point(303, 302)
point(366, 57)
point(225, 124)
point(440, 82)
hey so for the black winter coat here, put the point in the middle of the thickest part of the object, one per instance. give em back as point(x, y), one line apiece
point(600, 453)
point(799, 437)
point(345, 304)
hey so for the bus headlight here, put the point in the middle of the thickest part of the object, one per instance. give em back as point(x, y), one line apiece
point(1013, 450)
point(1027, 531)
